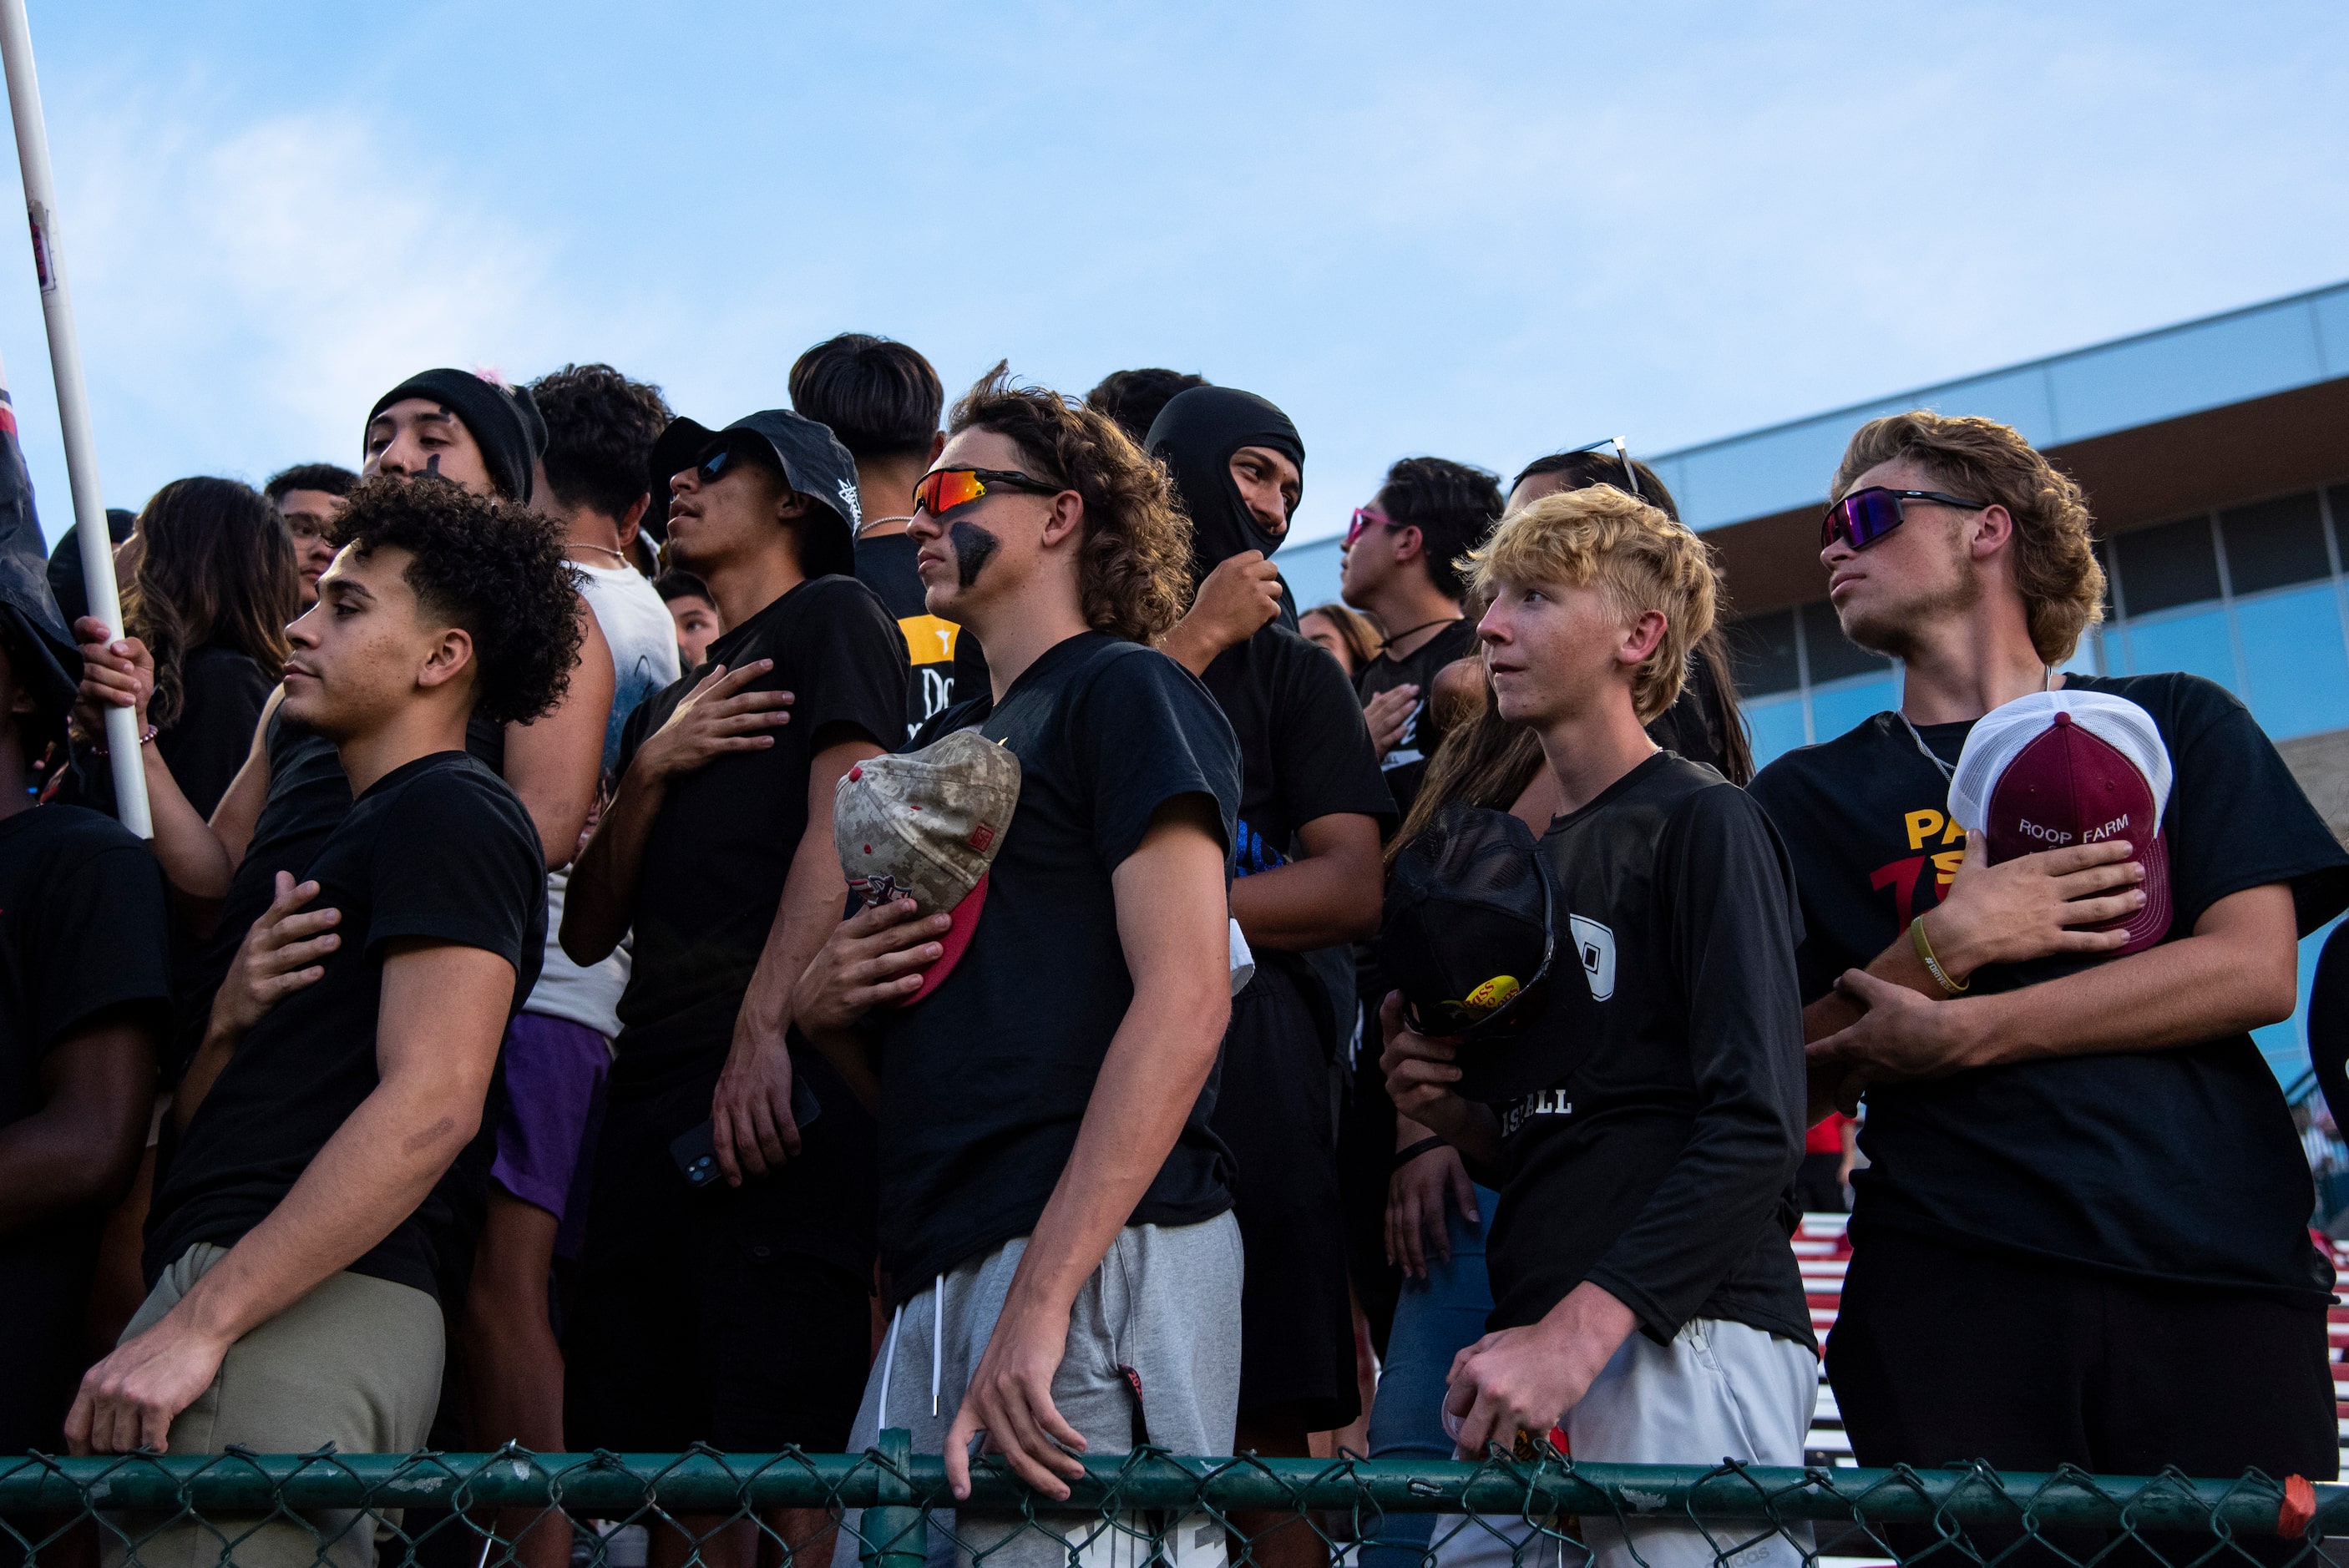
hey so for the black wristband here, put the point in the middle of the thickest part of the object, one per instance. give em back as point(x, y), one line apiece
point(1406, 1155)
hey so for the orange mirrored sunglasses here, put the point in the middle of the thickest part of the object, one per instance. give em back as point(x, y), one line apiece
point(943, 490)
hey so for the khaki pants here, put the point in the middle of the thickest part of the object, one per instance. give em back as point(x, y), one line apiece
point(356, 1363)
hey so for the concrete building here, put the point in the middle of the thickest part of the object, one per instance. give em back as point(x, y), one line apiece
point(2215, 455)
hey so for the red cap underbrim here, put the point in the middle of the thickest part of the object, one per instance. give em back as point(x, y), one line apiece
point(958, 937)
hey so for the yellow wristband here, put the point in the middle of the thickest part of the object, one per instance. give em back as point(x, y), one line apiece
point(1933, 965)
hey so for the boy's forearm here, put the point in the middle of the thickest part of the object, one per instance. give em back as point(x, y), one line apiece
point(379, 1166)
point(814, 891)
point(1304, 905)
point(813, 894)
point(603, 886)
point(195, 861)
point(203, 1071)
point(2237, 972)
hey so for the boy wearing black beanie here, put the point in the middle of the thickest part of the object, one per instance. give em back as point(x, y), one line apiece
point(472, 428)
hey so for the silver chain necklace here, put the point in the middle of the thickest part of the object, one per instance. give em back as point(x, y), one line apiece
point(1950, 774)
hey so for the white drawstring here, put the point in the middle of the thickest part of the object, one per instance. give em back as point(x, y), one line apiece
point(937, 1339)
point(889, 1365)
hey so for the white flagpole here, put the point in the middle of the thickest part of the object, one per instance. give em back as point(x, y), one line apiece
point(73, 401)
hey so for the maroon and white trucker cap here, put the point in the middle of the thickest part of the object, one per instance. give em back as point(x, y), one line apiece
point(2062, 767)
point(926, 825)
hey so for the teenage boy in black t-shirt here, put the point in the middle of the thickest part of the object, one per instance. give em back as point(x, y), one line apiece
point(291, 1240)
point(1401, 565)
point(1645, 1293)
point(1052, 1202)
point(738, 1313)
point(881, 400)
point(2084, 1193)
point(85, 995)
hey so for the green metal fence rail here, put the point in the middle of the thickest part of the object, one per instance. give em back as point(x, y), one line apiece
point(448, 1509)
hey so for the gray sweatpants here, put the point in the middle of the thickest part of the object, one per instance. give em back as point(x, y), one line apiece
point(1719, 1391)
point(356, 1363)
point(1165, 1302)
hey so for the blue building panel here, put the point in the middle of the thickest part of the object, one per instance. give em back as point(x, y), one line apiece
point(2169, 374)
point(2166, 374)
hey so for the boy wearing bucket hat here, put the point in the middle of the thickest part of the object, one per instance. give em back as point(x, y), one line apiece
point(2042, 911)
point(1642, 1117)
point(736, 1311)
point(1054, 1208)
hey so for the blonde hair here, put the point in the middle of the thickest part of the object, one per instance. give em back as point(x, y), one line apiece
point(2055, 570)
point(1638, 556)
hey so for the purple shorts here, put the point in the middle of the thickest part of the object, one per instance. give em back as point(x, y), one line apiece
point(554, 1085)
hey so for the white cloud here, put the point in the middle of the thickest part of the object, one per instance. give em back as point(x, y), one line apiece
point(243, 296)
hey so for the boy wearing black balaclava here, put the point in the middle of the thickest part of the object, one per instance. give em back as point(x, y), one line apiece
point(1308, 850)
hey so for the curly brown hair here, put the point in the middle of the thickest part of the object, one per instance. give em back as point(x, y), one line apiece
point(2055, 570)
point(494, 569)
point(1133, 569)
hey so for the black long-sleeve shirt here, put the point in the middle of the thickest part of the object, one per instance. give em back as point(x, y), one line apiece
point(1657, 1164)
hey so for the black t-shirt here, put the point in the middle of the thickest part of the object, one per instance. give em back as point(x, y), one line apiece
point(439, 849)
point(1657, 1163)
point(1406, 763)
point(985, 1081)
point(223, 693)
point(308, 799)
point(2179, 1166)
point(716, 856)
point(948, 666)
point(1305, 752)
point(82, 934)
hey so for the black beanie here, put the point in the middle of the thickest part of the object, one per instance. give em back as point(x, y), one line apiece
point(505, 420)
point(1195, 436)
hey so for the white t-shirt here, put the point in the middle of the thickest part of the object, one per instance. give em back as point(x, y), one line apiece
point(644, 660)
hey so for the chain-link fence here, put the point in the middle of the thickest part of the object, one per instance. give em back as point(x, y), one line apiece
point(888, 1508)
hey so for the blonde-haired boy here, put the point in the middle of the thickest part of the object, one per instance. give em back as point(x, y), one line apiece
point(1646, 1299)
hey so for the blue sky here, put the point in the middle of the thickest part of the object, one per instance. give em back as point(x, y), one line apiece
point(1479, 231)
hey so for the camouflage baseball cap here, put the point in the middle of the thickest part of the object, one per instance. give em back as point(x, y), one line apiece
point(926, 825)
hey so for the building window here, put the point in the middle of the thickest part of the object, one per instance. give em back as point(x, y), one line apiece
point(2164, 567)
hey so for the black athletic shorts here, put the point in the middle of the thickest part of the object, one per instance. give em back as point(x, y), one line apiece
point(1275, 1111)
point(1943, 1356)
point(688, 1323)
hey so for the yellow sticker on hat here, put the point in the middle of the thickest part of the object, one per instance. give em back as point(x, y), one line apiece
point(1492, 995)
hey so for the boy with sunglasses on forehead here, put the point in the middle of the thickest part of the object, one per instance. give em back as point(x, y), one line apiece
point(1401, 566)
point(1057, 1244)
point(2082, 1238)
point(734, 1309)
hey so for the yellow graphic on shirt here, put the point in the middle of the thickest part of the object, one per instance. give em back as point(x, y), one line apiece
point(1922, 825)
point(1904, 876)
point(929, 640)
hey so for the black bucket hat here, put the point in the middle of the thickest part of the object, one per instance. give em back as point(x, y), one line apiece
point(813, 461)
point(1466, 934)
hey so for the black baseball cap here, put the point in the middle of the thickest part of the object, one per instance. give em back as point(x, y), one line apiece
point(1466, 933)
point(813, 461)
